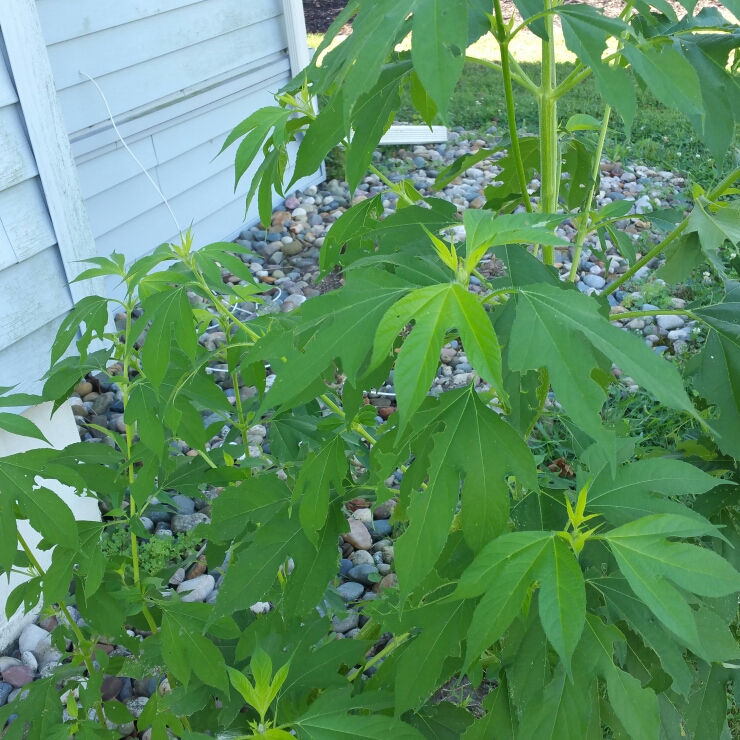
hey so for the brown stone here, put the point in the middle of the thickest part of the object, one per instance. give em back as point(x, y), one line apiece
point(386, 411)
point(111, 687)
point(90, 396)
point(107, 649)
point(358, 536)
point(82, 389)
point(197, 569)
point(18, 675)
point(48, 624)
point(389, 581)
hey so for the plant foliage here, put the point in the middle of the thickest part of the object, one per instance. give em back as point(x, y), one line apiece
point(606, 601)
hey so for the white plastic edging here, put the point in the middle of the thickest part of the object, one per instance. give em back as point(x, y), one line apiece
point(400, 134)
point(61, 430)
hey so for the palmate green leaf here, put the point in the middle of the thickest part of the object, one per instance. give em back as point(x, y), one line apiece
point(623, 604)
point(336, 326)
point(373, 115)
point(50, 516)
point(635, 706)
point(577, 163)
point(170, 312)
point(264, 121)
point(668, 75)
point(650, 562)
point(8, 528)
point(484, 230)
point(322, 472)
point(256, 499)
point(321, 723)
point(316, 567)
point(92, 311)
point(20, 425)
point(706, 712)
point(564, 331)
point(256, 568)
point(419, 669)
point(715, 371)
point(434, 310)
point(508, 191)
point(443, 721)
point(438, 48)
point(500, 721)
point(420, 99)
point(561, 713)
point(460, 165)
point(682, 257)
point(186, 650)
point(627, 495)
point(585, 31)
point(352, 224)
point(465, 431)
point(506, 568)
point(715, 226)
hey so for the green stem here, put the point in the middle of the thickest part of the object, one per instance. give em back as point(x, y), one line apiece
point(510, 111)
point(389, 648)
point(661, 312)
point(718, 191)
point(654, 252)
point(549, 149)
point(595, 174)
point(574, 78)
point(73, 625)
point(519, 75)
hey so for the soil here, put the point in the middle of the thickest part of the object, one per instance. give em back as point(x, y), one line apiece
point(320, 14)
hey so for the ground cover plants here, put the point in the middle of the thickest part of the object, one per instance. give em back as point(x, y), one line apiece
point(590, 596)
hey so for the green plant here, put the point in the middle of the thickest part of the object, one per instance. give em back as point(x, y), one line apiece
point(600, 599)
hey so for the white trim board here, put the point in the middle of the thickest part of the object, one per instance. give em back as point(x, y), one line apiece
point(295, 26)
point(401, 134)
point(47, 133)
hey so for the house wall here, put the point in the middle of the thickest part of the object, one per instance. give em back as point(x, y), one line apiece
point(33, 283)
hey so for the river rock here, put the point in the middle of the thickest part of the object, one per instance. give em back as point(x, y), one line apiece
point(197, 589)
point(669, 323)
point(350, 591)
point(18, 675)
point(136, 705)
point(187, 522)
point(5, 690)
point(361, 557)
point(358, 535)
point(184, 504)
point(34, 639)
point(111, 687)
point(345, 625)
point(363, 574)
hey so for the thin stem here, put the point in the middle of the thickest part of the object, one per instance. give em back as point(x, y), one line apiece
point(355, 427)
point(654, 252)
point(661, 312)
point(73, 625)
point(579, 73)
point(519, 75)
point(238, 399)
point(389, 648)
point(595, 173)
point(549, 148)
point(510, 111)
point(399, 191)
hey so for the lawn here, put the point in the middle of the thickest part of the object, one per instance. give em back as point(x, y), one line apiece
point(661, 138)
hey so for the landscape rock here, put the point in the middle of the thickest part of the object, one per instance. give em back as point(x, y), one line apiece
point(187, 522)
point(197, 589)
point(358, 536)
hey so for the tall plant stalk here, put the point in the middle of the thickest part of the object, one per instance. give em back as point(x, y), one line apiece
point(549, 149)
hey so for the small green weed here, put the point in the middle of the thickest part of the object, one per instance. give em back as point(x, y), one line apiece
point(155, 554)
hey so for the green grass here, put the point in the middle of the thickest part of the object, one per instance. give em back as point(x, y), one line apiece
point(660, 138)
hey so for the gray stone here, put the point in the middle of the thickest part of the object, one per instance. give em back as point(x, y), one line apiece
point(198, 589)
point(187, 522)
point(102, 403)
point(147, 523)
point(594, 281)
point(184, 504)
point(30, 660)
point(350, 591)
point(381, 528)
point(670, 322)
point(362, 574)
point(30, 638)
point(345, 566)
point(345, 625)
point(385, 510)
point(136, 705)
point(384, 569)
point(5, 691)
point(361, 557)
point(145, 687)
point(164, 534)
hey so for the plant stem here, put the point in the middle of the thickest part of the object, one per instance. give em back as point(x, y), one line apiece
point(718, 191)
point(661, 312)
point(595, 173)
point(389, 648)
point(73, 625)
point(549, 148)
point(519, 75)
point(654, 252)
point(510, 111)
